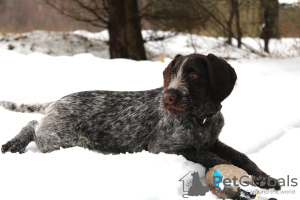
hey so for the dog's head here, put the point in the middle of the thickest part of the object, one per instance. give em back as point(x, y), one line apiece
point(195, 80)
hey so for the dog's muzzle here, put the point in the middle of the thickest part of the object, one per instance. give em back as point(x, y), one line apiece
point(174, 101)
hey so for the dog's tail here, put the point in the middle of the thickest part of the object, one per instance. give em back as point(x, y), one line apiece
point(26, 107)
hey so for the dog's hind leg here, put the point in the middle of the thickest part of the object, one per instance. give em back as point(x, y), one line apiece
point(45, 139)
point(20, 141)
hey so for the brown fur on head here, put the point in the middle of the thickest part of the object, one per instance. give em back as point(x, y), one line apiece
point(222, 78)
point(215, 81)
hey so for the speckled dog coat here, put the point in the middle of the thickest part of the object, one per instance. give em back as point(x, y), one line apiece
point(182, 117)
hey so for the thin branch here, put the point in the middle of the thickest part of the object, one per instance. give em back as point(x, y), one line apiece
point(105, 6)
point(154, 38)
point(224, 28)
point(61, 11)
point(91, 11)
point(147, 6)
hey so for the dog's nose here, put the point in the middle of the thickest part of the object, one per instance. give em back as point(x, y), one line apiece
point(170, 98)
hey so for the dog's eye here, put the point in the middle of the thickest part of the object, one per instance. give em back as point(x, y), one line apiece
point(194, 75)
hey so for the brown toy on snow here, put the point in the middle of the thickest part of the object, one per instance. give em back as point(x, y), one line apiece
point(226, 182)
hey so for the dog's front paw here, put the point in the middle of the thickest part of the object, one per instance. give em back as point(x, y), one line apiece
point(13, 146)
point(267, 182)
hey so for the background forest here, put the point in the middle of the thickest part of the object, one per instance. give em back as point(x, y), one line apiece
point(232, 19)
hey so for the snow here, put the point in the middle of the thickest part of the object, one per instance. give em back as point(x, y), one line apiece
point(261, 115)
point(78, 42)
point(288, 1)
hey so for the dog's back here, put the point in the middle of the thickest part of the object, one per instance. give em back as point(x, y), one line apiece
point(100, 120)
point(109, 121)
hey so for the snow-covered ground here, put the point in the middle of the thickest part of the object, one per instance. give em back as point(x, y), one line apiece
point(262, 120)
point(61, 43)
point(288, 1)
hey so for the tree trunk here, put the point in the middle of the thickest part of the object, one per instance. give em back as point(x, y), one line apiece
point(229, 24)
point(237, 22)
point(135, 43)
point(124, 30)
point(266, 47)
point(117, 29)
point(270, 21)
point(234, 12)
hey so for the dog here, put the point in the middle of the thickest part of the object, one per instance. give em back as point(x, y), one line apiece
point(183, 117)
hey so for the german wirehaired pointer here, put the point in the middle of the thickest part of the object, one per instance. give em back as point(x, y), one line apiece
point(183, 117)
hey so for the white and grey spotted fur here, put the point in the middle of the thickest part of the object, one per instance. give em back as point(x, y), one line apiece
point(117, 122)
point(26, 108)
point(114, 122)
point(178, 82)
point(120, 121)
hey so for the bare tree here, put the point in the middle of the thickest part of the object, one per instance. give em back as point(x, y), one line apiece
point(229, 24)
point(219, 23)
point(121, 18)
point(270, 17)
point(225, 14)
point(178, 16)
point(235, 8)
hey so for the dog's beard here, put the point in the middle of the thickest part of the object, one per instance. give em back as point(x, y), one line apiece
point(181, 107)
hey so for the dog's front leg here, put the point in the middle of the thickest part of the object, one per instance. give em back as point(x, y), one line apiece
point(203, 157)
point(241, 160)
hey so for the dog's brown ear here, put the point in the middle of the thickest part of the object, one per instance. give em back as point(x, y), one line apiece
point(222, 78)
point(166, 73)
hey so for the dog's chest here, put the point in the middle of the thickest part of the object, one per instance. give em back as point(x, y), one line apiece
point(180, 133)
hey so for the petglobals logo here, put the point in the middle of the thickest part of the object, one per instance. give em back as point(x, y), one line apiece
point(192, 185)
point(230, 182)
point(247, 187)
point(227, 181)
point(218, 179)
